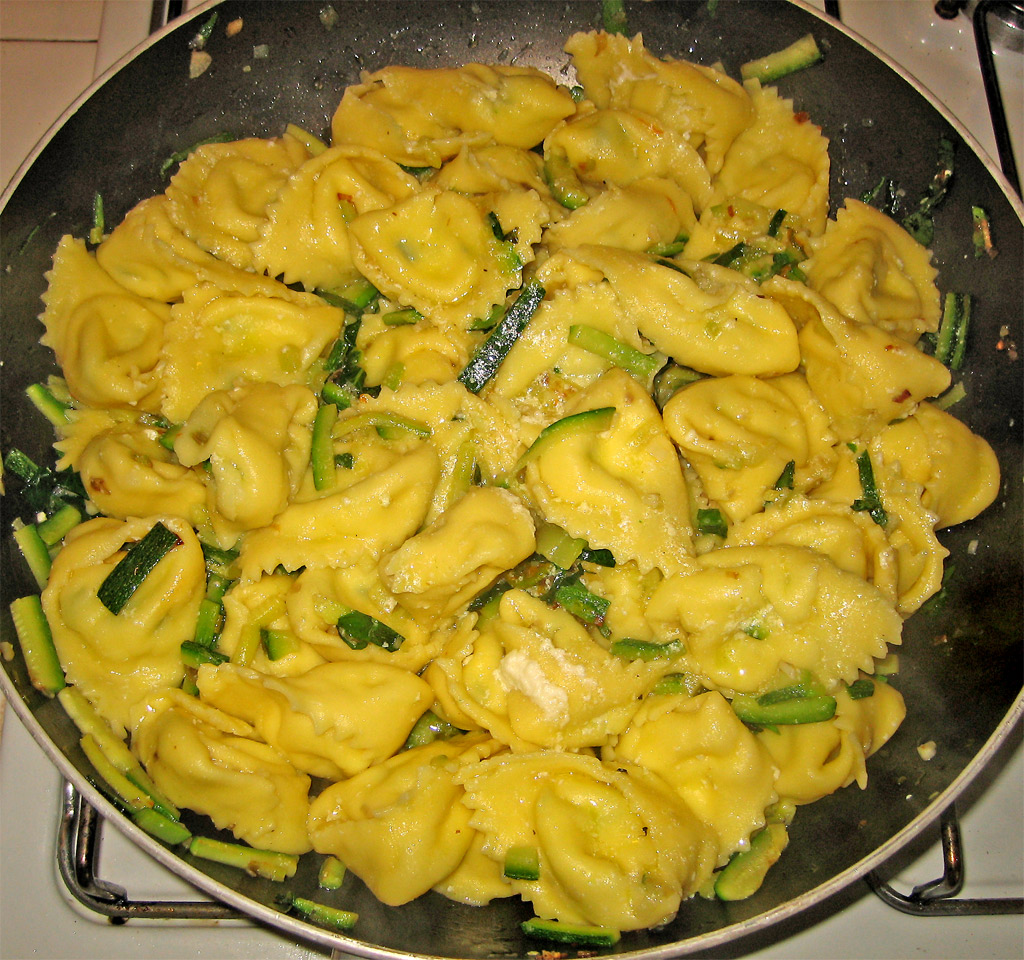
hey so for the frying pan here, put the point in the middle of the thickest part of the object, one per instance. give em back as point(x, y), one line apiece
point(961, 664)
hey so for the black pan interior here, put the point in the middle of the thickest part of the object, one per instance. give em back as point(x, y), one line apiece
point(961, 662)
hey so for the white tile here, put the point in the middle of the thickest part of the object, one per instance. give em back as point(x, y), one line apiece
point(125, 24)
point(33, 94)
point(51, 19)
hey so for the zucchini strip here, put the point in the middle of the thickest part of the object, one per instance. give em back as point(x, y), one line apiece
point(36, 643)
point(133, 568)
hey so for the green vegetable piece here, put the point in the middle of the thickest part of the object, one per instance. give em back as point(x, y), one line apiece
point(640, 365)
point(219, 562)
point(554, 544)
point(194, 654)
point(403, 317)
point(255, 862)
point(36, 644)
point(321, 452)
point(884, 195)
point(581, 603)
point(331, 874)
point(485, 362)
point(711, 521)
point(799, 55)
point(670, 249)
point(56, 411)
point(279, 643)
point(981, 233)
point(630, 649)
point(133, 568)
point(98, 220)
point(677, 683)
point(743, 875)
point(312, 143)
point(427, 729)
point(613, 16)
point(920, 224)
point(326, 916)
point(207, 622)
point(358, 629)
point(563, 182)
point(132, 796)
point(600, 557)
point(787, 477)
point(181, 155)
point(35, 551)
point(871, 502)
point(116, 751)
point(784, 712)
point(55, 528)
point(775, 224)
point(587, 421)
point(951, 338)
point(861, 688)
point(522, 863)
point(670, 379)
point(577, 934)
point(171, 832)
point(393, 425)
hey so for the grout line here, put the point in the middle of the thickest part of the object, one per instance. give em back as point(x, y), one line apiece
point(44, 40)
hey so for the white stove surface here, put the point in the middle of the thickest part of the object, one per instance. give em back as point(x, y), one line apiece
point(39, 919)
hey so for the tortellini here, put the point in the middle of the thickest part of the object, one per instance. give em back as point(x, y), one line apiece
point(511, 446)
point(203, 758)
point(616, 848)
point(118, 659)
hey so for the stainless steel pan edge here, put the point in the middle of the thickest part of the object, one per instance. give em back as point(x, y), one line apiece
point(445, 929)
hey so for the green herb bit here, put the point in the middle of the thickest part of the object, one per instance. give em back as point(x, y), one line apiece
point(181, 155)
point(981, 233)
point(884, 195)
point(710, 520)
point(36, 644)
point(861, 688)
point(776, 222)
point(613, 16)
point(358, 629)
point(670, 249)
point(324, 915)
point(601, 557)
point(133, 568)
point(255, 862)
point(630, 649)
point(787, 477)
point(919, 224)
point(205, 32)
point(871, 501)
point(639, 365)
point(577, 934)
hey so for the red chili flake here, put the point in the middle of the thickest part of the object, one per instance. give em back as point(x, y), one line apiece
point(899, 398)
point(732, 210)
point(890, 346)
point(99, 485)
point(802, 117)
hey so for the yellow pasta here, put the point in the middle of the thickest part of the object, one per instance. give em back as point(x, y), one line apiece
point(525, 458)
